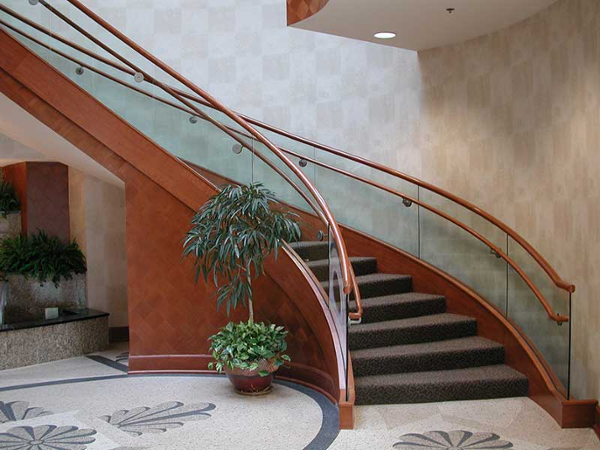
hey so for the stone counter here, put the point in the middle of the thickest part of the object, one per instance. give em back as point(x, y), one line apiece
point(74, 333)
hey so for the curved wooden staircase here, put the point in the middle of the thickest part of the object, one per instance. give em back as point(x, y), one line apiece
point(408, 348)
point(424, 335)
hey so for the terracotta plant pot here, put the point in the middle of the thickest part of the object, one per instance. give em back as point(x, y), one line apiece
point(249, 382)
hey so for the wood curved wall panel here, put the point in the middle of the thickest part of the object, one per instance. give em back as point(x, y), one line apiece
point(298, 10)
point(170, 316)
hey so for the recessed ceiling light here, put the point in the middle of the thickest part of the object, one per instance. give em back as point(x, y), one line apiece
point(384, 35)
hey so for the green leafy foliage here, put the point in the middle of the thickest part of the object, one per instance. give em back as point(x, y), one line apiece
point(244, 345)
point(232, 234)
point(8, 198)
point(42, 257)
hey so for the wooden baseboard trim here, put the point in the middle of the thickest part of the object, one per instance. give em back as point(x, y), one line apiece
point(347, 417)
point(118, 334)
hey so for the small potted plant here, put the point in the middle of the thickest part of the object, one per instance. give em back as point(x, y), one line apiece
point(41, 271)
point(231, 236)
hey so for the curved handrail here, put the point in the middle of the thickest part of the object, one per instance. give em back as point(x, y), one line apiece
point(556, 279)
point(495, 249)
point(347, 273)
point(234, 133)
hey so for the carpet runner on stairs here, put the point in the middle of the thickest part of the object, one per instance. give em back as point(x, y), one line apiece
point(408, 349)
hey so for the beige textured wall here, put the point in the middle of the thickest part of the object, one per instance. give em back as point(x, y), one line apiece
point(511, 122)
point(98, 223)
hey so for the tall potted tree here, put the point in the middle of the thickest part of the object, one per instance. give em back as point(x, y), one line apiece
point(231, 236)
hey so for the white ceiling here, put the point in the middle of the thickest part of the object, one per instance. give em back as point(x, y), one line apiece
point(419, 24)
point(38, 142)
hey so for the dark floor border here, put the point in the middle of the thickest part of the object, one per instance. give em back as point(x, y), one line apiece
point(109, 362)
point(329, 425)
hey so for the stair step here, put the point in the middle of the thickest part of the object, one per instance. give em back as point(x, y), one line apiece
point(450, 354)
point(435, 327)
point(311, 250)
point(498, 381)
point(400, 306)
point(380, 284)
point(361, 265)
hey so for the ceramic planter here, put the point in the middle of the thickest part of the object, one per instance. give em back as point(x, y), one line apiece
point(27, 299)
point(249, 382)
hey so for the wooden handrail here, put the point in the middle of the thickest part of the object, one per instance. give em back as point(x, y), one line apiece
point(551, 314)
point(556, 279)
point(537, 293)
point(346, 267)
point(544, 264)
point(353, 315)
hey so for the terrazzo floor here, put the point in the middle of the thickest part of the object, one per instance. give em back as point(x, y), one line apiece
point(90, 403)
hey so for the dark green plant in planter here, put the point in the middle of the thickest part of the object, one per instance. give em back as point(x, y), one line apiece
point(41, 257)
point(8, 199)
point(232, 235)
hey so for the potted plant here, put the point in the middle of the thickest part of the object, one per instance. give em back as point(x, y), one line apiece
point(10, 219)
point(232, 234)
point(41, 271)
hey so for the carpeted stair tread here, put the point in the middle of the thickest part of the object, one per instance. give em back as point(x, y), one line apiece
point(380, 284)
point(361, 266)
point(497, 381)
point(435, 327)
point(311, 250)
point(449, 354)
point(401, 306)
point(408, 349)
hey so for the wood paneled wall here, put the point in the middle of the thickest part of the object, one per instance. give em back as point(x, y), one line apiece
point(43, 189)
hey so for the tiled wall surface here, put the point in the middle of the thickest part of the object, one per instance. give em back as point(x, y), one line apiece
point(43, 191)
point(98, 224)
point(508, 121)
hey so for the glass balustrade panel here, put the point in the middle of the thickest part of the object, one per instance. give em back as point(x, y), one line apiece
point(482, 226)
point(526, 311)
point(367, 208)
point(460, 254)
point(338, 305)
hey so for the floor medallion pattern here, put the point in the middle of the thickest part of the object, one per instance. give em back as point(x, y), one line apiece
point(15, 411)
point(452, 440)
point(46, 437)
point(158, 419)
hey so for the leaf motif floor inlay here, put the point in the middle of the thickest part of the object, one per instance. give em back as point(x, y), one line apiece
point(46, 437)
point(158, 419)
point(452, 440)
point(15, 411)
